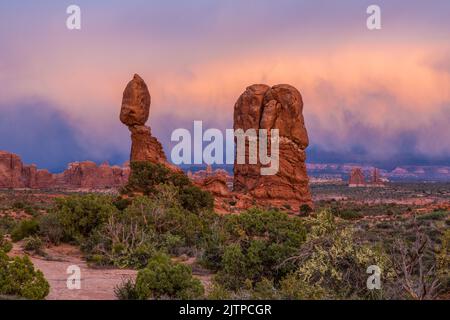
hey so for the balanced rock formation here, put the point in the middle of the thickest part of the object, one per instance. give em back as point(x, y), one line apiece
point(278, 107)
point(134, 114)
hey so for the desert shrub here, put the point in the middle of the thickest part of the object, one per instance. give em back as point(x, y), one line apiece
point(122, 203)
point(50, 228)
point(150, 223)
point(18, 205)
point(349, 214)
point(218, 292)
point(122, 241)
point(252, 245)
point(443, 261)
point(80, 216)
point(332, 262)
point(294, 287)
point(147, 177)
point(436, 215)
point(305, 209)
point(417, 267)
point(26, 207)
point(163, 278)
point(7, 224)
point(264, 290)
point(33, 244)
point(126, 290)
point(5, 245)
point(19, 278)
point(24, 229)
point(193, 198)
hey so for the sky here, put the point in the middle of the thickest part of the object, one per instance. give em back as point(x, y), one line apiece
point(377, 97)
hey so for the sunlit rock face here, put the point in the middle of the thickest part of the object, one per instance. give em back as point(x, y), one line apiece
point(278, 107)
point(134, 114)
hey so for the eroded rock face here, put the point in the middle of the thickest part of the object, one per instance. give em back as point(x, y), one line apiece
point(215, 181)
point(11, 168)
point(134, 114)
point(279, 107)
point(79, 175)
point(87, 175)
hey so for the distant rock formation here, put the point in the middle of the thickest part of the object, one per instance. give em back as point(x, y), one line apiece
point(357, 178)
point(279, 107)
point(79, 175)
point(134, 114)
point(14, 174)
point(218, 182)
point(87, 175)
point(376, 178)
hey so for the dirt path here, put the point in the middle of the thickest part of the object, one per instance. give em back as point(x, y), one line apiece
point(96, 284)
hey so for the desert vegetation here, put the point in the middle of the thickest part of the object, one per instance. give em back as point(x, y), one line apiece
point(165, 228)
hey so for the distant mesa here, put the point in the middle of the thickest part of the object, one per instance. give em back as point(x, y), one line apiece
point(79, 175)
point(411, 173)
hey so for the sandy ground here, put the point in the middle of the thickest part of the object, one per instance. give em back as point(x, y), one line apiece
point(96, 284)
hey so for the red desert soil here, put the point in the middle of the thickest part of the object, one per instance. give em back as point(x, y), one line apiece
point(96, 284)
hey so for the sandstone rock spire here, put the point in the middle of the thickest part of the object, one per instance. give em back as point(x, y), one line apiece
point(134, 114)
point(278, 107)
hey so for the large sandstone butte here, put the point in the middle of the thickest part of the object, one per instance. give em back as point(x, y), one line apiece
point(79, 175)
point(278, 107)
point(134, 114)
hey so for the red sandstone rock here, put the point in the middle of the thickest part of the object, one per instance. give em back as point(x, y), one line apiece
point(79, 175)
point(44, 180)
point(279, 107)
point(134, 114)
point(135, 103)
point(376, 180)
point(357, 178)
point(11, 171)
point(215, 182)
point(87, 175)
point(216, 185)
